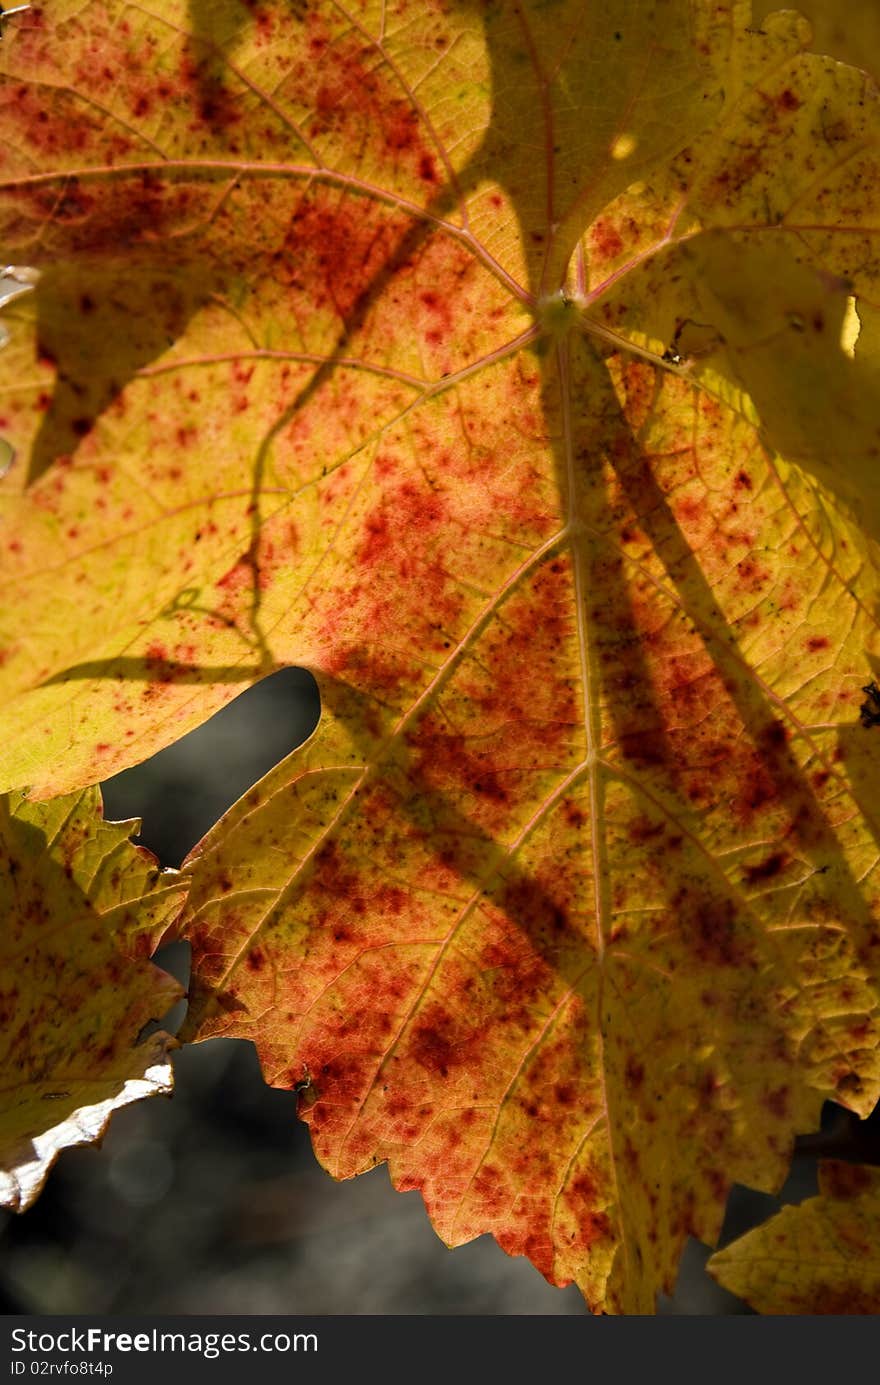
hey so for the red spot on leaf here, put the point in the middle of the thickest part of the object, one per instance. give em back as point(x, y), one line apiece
point(605, 241)
point(767, 869)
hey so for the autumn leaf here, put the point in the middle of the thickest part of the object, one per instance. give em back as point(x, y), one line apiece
point(401, 347)
point(83, 909)
point(820, 1257)
point(850, 33)
point(782, 334)
point(266, 248)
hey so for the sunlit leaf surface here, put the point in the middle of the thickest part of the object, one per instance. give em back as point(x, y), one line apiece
point(820, 1257)
point(423, 345)
point(82, 909)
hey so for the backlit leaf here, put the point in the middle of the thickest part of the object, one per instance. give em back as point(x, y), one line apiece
point(820, 1257)
point(781, 335)
point(82, 911)
point(850, 33)
point(273, 246)
point(412, 346)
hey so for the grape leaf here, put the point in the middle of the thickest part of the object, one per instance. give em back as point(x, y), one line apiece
point(83, 910)
point(850, 33)
point(401, 346)
point(819, 1257)
point(781, 332)
point(267, 246)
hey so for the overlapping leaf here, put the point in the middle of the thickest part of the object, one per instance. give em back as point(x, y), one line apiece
point(849, 33)
point(352, 329)
point(82, 910)
point(820, 1257)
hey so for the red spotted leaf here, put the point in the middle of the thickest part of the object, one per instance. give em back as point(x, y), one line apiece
point(426, 346)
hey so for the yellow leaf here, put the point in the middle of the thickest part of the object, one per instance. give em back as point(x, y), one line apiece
point(820, 1257)
point(784, 330)
point(83, 910)
point(850, 32)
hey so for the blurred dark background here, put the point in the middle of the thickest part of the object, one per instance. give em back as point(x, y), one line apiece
point(212, 1201)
